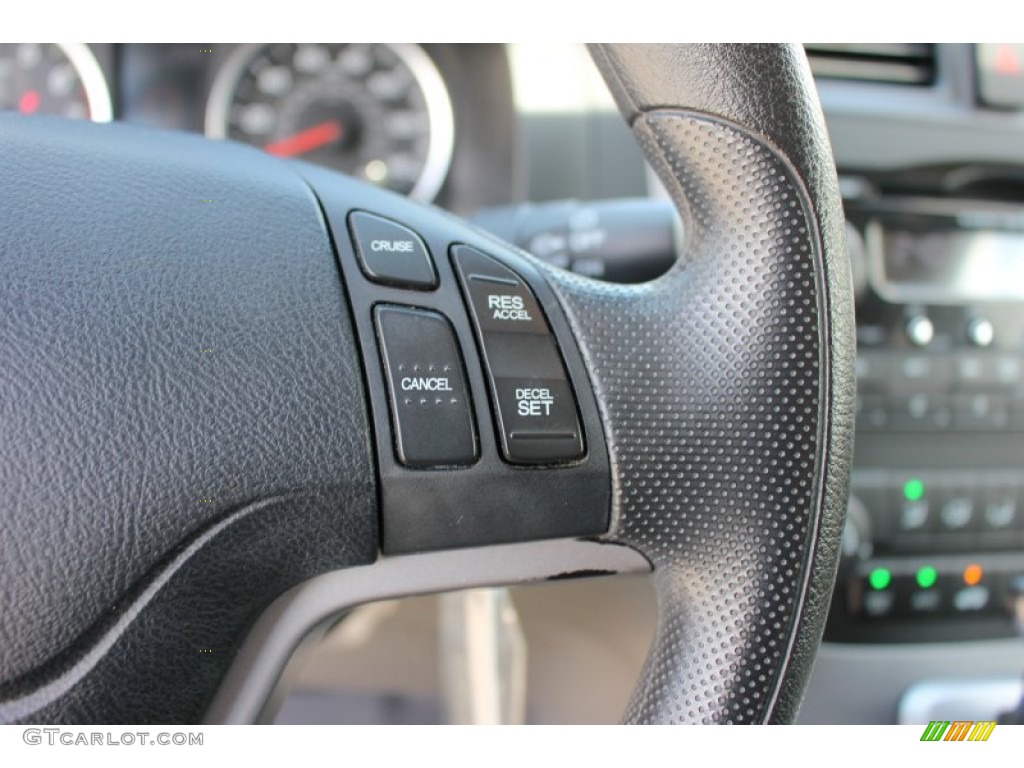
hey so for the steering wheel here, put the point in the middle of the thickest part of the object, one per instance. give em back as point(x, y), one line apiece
point(240, 395)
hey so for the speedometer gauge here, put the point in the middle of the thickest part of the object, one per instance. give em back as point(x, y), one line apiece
point(379, 112)
point(53, 79)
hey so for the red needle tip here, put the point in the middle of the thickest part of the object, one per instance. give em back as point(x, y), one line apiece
point(29, 102)
point(306, 140)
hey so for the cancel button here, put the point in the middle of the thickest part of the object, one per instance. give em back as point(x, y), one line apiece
point(426, 384)
point(430, 406)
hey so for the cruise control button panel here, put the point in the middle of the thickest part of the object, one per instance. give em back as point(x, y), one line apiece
point(430, 404)
point(535, 407)
point(482, 421)
point(390, 253)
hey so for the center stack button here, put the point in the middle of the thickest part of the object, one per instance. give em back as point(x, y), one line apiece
point(533, 399)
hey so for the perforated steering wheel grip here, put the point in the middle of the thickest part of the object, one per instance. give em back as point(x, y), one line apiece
point(198, 456)
point(727, 385)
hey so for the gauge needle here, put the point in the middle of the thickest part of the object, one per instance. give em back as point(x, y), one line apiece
point(29, 102)
point(306, 140)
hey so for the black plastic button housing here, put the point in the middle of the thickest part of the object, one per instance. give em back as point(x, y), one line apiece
point(430, 406)
point(390, 253)
point(534, 403)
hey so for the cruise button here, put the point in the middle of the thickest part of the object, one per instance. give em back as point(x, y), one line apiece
point(538, 420)
point(390, 253)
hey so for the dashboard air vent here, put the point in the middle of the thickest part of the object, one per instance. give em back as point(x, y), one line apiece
point(904, 63)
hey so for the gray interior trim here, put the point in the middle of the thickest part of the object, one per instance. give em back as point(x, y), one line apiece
point(887, 127)
point(253, 677)
point(953, 699)
point(865, 684)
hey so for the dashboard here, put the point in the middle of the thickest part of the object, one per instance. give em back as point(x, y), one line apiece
point(385, 113)
point(929, 143)
point(464, 126)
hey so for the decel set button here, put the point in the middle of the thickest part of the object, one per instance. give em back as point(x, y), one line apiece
point(534, 402)
point(538, 417)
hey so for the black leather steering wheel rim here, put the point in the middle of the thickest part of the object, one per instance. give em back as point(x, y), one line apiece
point(736, 630)
point(724, 388)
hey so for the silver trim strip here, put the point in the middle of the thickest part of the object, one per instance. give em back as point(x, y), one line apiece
point(253, 677)
point(218, 105)
point(864, 683)
point(440, 116)
point(97, 93)
point(958, 699)
point(424, 71)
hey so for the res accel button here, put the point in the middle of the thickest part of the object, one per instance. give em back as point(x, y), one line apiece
point(430, 405)
point(390, 253)
point(498, 298)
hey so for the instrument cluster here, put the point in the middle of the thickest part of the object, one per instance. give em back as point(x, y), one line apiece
point(381, 112)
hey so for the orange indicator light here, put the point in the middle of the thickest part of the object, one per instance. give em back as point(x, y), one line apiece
point(972, 574)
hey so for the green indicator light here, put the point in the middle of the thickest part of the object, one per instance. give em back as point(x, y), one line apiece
point(913, 489)
point(880, 578)
point(926, 577)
